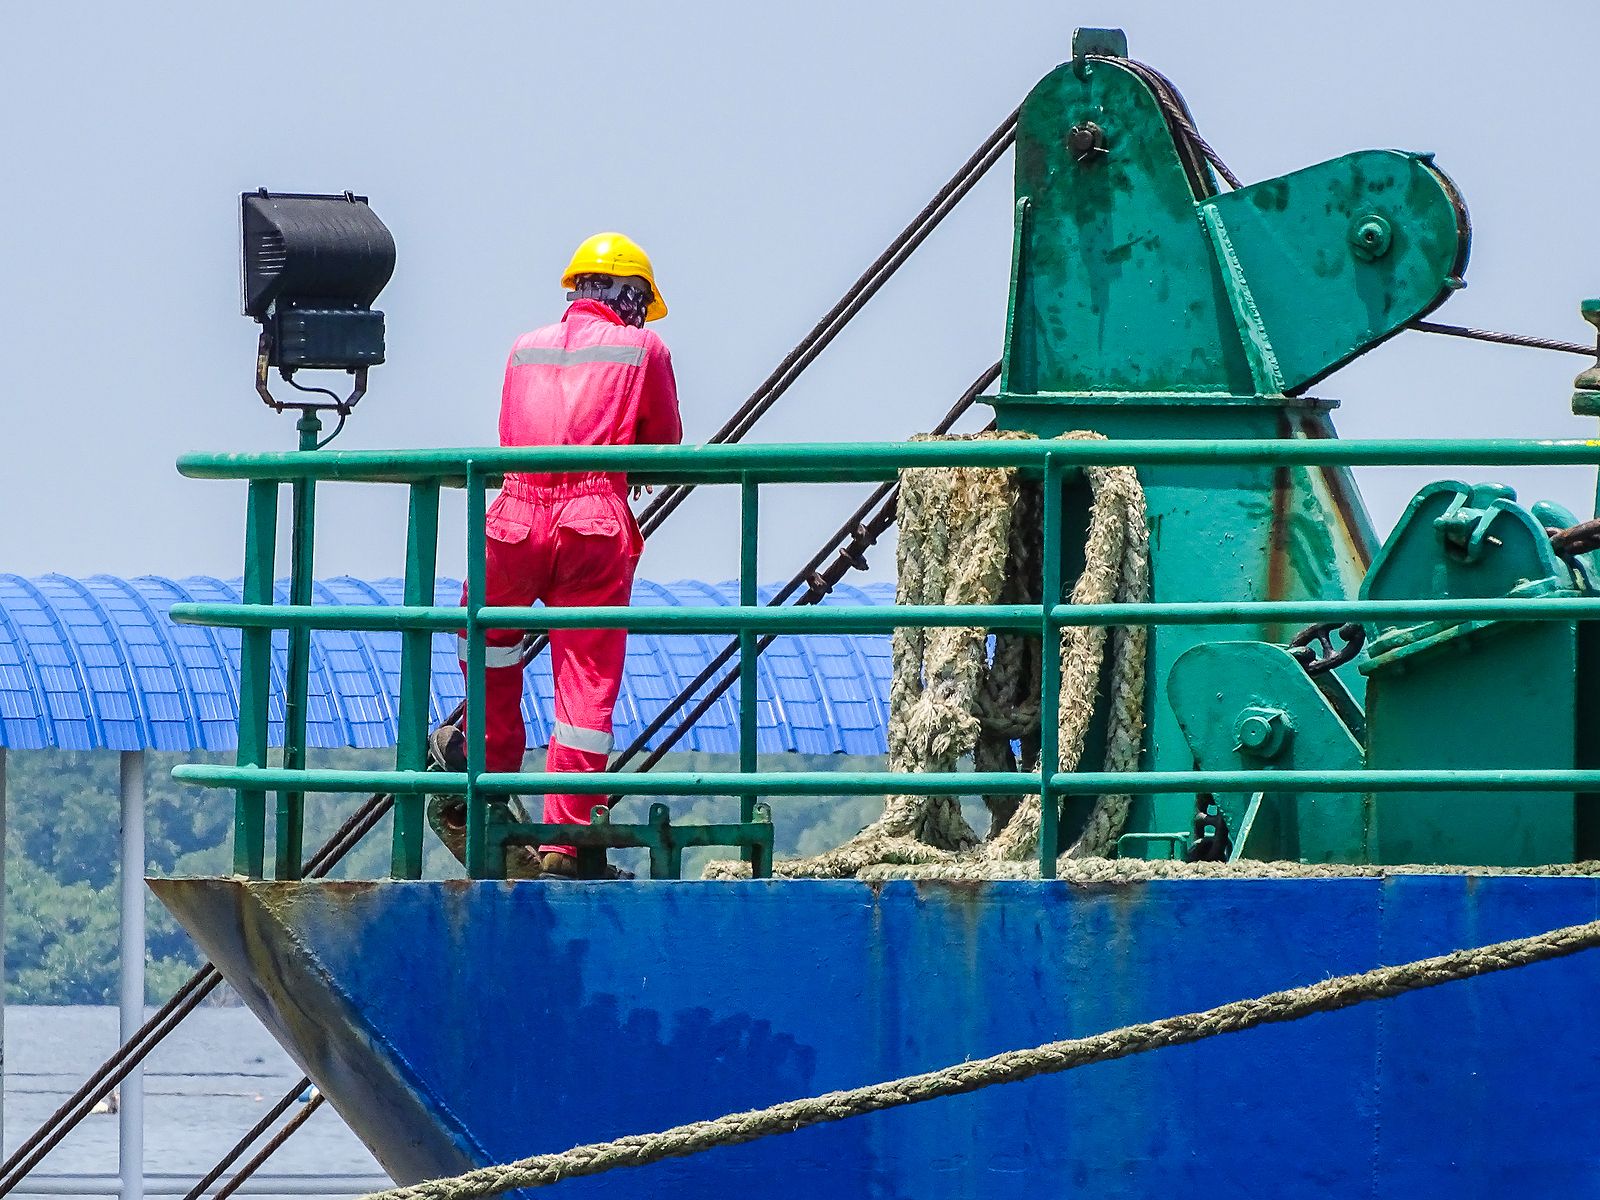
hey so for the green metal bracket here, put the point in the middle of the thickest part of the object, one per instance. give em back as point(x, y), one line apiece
point(1337, 257)
point(1249, 704)
point(1456, 541)
point(1140, 845)
point(665, 841)
point(1586, 387)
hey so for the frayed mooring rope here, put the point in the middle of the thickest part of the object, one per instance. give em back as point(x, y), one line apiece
point(970, 535)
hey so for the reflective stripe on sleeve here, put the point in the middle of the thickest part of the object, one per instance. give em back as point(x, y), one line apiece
point(556, 356)
point(590, 741)
point(493, 656)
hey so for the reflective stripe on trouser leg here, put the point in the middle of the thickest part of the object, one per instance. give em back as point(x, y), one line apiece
point(505, 736)
point(493, 656)
point(566, 809)
point(591, 741)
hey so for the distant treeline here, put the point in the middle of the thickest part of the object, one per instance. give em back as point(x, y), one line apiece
point(62, 855)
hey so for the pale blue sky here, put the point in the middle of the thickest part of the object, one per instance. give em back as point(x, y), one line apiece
point(762, 153)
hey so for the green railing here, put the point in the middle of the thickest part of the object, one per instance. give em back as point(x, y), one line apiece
point(750, 467)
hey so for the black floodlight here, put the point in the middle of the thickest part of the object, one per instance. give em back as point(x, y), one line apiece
point(312, 266)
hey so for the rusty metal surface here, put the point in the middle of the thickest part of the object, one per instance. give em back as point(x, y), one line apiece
point(454, 1023)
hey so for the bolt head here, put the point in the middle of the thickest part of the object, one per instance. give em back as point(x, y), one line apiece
point(1255, 731)
point(1370, 237)
point(1086, 141)
point(1261, 732)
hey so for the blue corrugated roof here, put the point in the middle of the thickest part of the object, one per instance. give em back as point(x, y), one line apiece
point(91, 664)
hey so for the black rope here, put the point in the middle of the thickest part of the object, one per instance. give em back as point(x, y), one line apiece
point(1506, 339)
point(198, 1191)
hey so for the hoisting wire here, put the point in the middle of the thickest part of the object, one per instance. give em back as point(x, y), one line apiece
point(198, 1191)
point(1177, 113)
point(1293, 1004)
point(1506, 339)
point(271, 1148)
point(185, 1000)
point(847, 545)
point(862, 290)
point(373, 810)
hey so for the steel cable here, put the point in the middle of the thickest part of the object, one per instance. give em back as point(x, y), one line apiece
point(185, 1000)
point(1177, 113)
point(227, 1160)
point(862, 290)
point(1506, 339)
point(116, 1068)
point(271, 1148)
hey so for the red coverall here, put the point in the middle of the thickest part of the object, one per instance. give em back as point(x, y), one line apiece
point(588, 380)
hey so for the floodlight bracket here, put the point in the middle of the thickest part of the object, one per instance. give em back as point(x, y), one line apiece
point(333, 404)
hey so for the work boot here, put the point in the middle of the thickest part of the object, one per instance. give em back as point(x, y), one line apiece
point(564, 866)
point(447, 751)
point(447, 814)
point(559, 866)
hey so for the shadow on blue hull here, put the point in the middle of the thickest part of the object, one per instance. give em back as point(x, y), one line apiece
point(457, 1024)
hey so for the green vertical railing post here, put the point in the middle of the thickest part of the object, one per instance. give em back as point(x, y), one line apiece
point(255, 677)
point(749, 535)
point(416, 676)
point(291, 805)
point(480, 863)
point(1050, 673)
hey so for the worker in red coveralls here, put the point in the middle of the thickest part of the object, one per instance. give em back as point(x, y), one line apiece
point(597, 377)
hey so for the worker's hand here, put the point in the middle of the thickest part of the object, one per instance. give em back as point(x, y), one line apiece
point(643, 488)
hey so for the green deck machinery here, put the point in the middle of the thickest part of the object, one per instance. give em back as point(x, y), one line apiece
point(1147, 304)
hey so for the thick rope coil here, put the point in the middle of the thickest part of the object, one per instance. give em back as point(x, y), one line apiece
point(970, 535)
point(738, 1128)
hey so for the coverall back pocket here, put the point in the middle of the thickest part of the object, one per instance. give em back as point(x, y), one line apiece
point(507, 521)
point(593, 545)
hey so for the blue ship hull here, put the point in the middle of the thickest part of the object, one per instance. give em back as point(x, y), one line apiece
point(458, 1024)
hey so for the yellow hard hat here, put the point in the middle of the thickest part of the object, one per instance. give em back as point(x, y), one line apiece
point(615, 254)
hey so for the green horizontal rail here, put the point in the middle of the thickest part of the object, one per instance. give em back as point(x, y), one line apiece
point(819, 619)
point(884, 783)
point(855, 461)
point(379, 618)
point(653, 783)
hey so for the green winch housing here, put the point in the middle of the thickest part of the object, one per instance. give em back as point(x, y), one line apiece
point(1144, 304)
